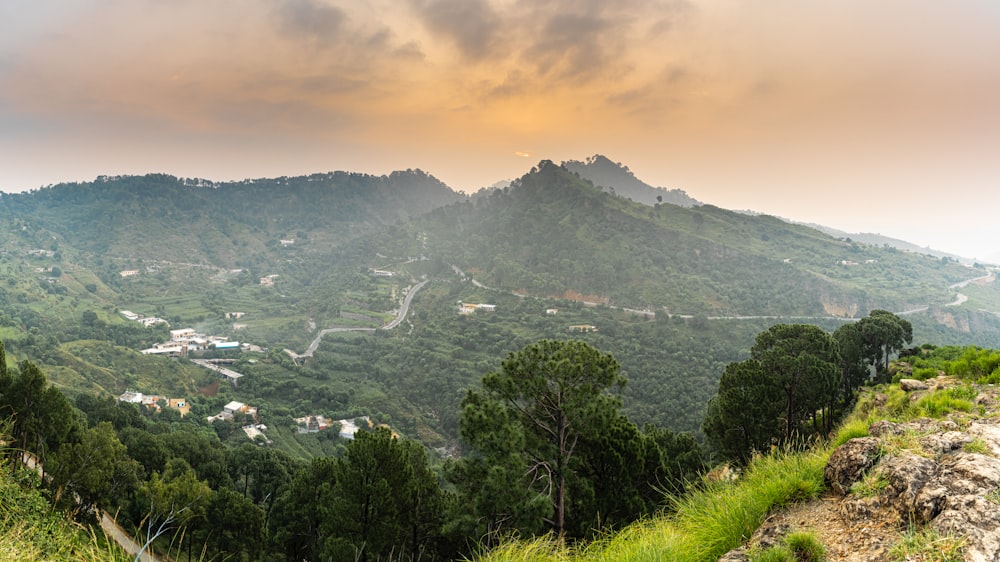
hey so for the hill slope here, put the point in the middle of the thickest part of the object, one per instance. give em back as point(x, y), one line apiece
point(554, 234)
point(618, 179)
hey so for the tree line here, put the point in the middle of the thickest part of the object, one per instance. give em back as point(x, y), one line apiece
point(545, 449)
point(797, 380)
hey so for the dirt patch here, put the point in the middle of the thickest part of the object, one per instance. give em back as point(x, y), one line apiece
point(845, 541)
point(210, 390)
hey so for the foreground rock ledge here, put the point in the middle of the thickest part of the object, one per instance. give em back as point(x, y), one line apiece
point(945, 479)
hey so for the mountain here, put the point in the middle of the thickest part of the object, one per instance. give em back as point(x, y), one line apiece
point(553, 233)
point(675, 293)
point(874, 239)
point(162, 217)
point(618, 179)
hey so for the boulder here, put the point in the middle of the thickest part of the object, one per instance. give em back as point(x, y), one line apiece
point(849, 462)
point(909, 385)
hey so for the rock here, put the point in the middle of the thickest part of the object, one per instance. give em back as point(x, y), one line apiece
point(735, 555)
point(940, 443)
point(907, 473)
point(882, 428)
point(849, 462)
point(909, 385)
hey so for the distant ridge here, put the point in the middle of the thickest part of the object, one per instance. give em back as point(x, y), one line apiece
point(604, 173)
point(874, 239)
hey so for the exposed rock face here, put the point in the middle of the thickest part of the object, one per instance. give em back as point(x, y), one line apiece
point(849, 463)
point(933, 474)
point(909, 385)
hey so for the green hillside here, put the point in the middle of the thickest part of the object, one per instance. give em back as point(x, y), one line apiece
point(675, 293)
point(554, 234)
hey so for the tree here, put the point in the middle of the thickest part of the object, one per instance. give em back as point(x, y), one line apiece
point(237, 525)
point(744, 415)
point(802, 361)
point(623, 473)
point(792, 373)
point(551, 393)
point(96, 471)
point(883, 333)
point(853, 370)
point(179, 496)
point(43, 418)
point(386, 501)
point(296, 520)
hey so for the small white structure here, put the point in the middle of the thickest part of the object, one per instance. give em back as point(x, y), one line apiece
point(233, 407)
point(128, 272)
point(348, 428)
point(131, 397)
point(128, 314)
point(182, 334)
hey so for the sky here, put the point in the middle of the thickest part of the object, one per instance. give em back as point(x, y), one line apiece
point(865, 116)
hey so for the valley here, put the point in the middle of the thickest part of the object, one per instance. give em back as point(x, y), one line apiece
point(675, 301)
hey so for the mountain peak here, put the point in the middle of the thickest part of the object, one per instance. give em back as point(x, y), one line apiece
point(616, 177)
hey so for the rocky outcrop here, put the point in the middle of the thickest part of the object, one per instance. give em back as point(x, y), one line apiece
point(909, 385)
point(849, 462)
point(941, 475)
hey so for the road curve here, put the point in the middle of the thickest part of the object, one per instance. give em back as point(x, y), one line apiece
point(400, 316)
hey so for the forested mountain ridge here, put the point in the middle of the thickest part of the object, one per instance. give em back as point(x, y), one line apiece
point(196, 253)
point(225, 224)
point(553, 233)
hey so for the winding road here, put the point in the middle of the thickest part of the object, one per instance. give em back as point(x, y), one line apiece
point(959, 300)
point(400, 316)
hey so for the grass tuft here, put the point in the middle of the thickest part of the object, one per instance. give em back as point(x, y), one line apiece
point(927, 545)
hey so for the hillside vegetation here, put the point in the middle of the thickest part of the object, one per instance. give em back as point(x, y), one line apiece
point(675, 293)
point(941, 436)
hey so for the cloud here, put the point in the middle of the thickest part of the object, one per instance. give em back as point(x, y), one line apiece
point(311, 20)
point(471, 25)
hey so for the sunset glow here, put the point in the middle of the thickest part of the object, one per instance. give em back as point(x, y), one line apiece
point(864, 116)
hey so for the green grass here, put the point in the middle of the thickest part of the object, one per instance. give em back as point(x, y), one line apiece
point(796, 547)
point(31, 531)
point(705, 524)
point(927, 545)
point(938, 404)
point(873, 483)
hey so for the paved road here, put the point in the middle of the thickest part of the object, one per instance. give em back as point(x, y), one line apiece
point(400, 316)
point(959, 299)
point(115, 532)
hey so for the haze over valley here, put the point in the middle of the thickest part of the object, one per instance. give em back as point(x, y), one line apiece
point(402, 280)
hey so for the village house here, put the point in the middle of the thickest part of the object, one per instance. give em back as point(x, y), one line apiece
point(179, 404)
point(153, 402)
point(128, 272)
point(253, 431)
point(312, 424)
point(469, 308)
point(233, 408)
